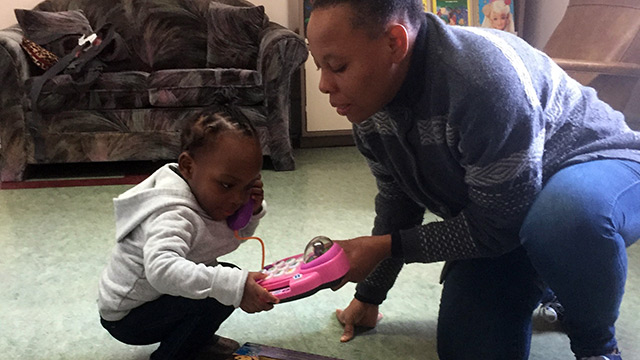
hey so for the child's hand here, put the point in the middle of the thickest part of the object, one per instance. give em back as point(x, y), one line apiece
point(256, 298)
point(257, 194)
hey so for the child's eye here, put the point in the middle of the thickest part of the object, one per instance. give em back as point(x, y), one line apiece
point(225, 185)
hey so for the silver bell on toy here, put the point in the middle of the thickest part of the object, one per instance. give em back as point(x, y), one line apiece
point(316, 247)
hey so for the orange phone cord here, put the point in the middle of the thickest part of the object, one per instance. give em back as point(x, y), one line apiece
point(237, 235)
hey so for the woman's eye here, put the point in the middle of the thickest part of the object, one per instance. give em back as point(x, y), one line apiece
point(340, 69)
point(225, 185)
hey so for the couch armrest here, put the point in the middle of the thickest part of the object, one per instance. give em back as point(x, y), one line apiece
point(14, 71)
point(608, 68)
point(281, 53)
point(14, 65)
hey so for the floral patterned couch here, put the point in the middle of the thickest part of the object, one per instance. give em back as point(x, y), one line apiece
point(182, 56)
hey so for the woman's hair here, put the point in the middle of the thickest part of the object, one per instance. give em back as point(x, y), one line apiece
point(207, 125)
point(373, 15)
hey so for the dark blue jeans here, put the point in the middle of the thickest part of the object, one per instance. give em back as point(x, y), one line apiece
point(574, 239)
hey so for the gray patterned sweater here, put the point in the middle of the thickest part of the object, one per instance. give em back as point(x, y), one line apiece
point(480, 123)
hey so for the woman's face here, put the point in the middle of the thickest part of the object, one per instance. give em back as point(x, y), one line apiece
point(356, 70)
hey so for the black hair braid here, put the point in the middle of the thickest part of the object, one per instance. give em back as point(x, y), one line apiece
point(209, 123)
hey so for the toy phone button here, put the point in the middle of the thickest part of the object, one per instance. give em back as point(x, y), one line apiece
point(278, 273)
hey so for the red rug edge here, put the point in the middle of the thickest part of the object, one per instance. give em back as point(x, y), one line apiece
point(37, 184)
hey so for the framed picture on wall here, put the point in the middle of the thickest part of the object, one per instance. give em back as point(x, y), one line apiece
point(497, 14)
point(455, 12)
point(427, 5)
point(306, 14)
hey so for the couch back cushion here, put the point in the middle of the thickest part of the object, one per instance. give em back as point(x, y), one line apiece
point(57, 32)
point(49, 36)
point(234, 35)
point(161, 34)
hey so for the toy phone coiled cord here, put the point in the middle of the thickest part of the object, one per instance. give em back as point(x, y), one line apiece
point(237, 235)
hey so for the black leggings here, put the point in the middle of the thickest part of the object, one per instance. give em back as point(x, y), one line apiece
point(182, 326)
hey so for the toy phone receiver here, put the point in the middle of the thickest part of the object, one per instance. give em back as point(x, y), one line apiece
point(240, 219)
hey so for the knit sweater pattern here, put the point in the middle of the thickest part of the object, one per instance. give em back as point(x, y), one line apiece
point(481, 122)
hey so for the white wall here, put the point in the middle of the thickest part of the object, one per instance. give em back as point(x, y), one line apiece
point(284, 12)
point(7, 17)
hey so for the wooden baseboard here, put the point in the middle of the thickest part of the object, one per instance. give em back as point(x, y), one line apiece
point(326, 141)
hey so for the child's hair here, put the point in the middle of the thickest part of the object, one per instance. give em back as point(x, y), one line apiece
point(210, 123)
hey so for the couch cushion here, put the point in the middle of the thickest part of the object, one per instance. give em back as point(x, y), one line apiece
point(234, 35)
point(118, 90)
point(57, 32)
point(203, 87)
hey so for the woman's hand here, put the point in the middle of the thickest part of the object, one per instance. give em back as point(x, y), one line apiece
point(357, 314)
point(364, 253)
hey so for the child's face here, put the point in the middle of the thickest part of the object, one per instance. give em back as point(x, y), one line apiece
point(499, 20)
point(222, 173)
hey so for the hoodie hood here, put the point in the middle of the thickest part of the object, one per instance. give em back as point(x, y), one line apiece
point(164, 188)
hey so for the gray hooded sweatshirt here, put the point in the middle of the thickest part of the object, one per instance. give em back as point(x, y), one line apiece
point(167, 244)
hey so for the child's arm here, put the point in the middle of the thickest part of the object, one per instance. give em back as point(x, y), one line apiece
point(172, 237)
point(255, 297)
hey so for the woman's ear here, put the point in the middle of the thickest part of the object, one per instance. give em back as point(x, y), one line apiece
point(398, 41)
point(185, 165)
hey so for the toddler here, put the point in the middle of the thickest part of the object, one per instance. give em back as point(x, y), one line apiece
point(163, 282)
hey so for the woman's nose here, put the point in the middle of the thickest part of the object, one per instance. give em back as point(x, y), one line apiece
point(326, 84)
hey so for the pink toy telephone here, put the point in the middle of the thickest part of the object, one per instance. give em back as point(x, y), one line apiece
point(322, 265)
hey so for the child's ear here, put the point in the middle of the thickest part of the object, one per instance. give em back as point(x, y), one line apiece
point(185, 165)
